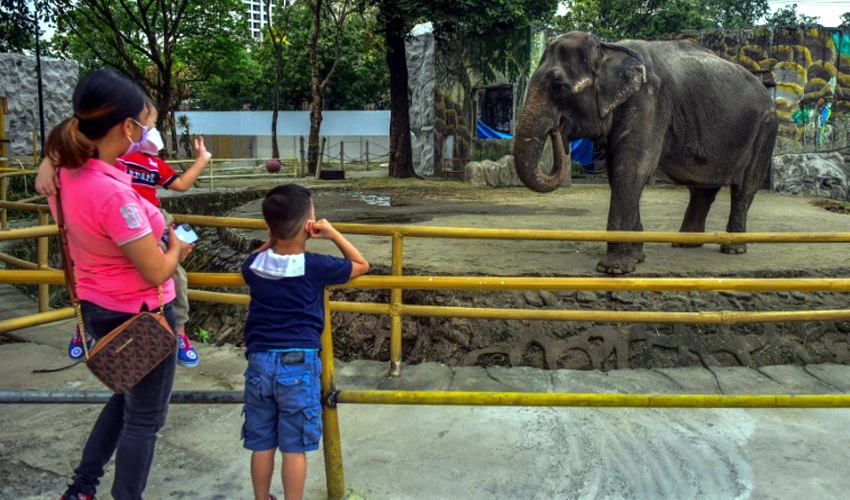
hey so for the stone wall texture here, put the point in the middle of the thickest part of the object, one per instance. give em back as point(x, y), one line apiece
point(19, 84)
point(812, 174)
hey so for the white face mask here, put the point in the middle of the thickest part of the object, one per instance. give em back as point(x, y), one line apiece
point(152, 143)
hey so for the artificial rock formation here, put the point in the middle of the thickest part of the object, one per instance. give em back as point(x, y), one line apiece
point(812, 174)
point(422, 74)
point(19, 85)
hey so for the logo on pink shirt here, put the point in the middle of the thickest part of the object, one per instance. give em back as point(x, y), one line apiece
point(131, 215)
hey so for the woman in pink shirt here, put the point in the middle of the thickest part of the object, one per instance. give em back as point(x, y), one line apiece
point(112, 236)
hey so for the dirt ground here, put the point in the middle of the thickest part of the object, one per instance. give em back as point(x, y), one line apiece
point(576, 345)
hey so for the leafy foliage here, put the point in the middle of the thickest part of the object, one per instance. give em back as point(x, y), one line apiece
point(17, 26)
point(164, 44)
point(618, 19)
point(788, 16)
point(362, 78)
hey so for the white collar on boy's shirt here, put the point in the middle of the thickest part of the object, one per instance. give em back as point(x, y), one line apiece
point(273, 266)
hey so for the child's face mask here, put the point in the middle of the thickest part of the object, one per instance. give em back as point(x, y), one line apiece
point(152, 143)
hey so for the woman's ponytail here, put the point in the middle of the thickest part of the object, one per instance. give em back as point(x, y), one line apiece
point(67, 146)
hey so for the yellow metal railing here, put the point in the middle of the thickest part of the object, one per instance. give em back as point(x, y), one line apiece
point(42, 275)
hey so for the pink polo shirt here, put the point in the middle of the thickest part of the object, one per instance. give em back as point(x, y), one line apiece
point(103, 212)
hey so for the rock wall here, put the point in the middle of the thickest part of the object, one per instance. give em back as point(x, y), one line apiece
point(19, 84)
point(811, 174)
point(422, 74)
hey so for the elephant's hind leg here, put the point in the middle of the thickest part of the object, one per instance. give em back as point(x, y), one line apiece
point(742, 198)
point(696, 213)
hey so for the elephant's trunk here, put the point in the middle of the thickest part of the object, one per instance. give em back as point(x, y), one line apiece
point(539, 118)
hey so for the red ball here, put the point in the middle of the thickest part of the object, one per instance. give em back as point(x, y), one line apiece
point(273, 166)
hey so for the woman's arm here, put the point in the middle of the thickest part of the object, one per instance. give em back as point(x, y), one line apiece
point(155, 267)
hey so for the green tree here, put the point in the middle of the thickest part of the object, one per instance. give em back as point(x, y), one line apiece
point(845, 20)
point(398, 17)
point(163, 44)
point(17, 26)
point(788, 16)
point(618, 19)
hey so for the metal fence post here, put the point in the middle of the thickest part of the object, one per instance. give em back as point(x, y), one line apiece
point(303, 160)
point(331, 441)
point(367, 154)
point(41, 261)
point(395, 307)
point(342, 155)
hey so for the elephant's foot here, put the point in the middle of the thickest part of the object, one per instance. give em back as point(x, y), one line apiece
point(640, 256)
point(734, 248)
point(686, 245)
point(619, 264)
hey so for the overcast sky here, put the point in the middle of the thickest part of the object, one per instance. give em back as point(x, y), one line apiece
point(829, 11)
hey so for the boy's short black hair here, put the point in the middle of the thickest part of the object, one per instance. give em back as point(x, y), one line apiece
point(285, 209)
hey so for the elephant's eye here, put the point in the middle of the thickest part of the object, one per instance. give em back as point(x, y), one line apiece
point(559, 86)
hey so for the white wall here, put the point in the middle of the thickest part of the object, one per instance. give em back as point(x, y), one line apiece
point(355, 128)
point(293, 123)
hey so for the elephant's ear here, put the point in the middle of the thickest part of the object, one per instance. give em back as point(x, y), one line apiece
point(621, 73)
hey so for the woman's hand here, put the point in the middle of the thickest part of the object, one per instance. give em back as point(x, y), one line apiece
point(45, 181)
point(183, 248)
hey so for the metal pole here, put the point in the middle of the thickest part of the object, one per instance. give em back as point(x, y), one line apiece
point(41, 260)
point(4, 188)
point(3, 155)
point(367, 154)
point(93, 397)
point(38, 75)
point(342, 155)
point(331, 441)
point(458, 398)
point(303, 159)
point(395, 308)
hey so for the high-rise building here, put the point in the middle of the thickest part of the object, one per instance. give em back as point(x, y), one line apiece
point(258, 16)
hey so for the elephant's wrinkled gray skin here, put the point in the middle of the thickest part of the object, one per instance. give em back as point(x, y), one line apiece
point(672, 109)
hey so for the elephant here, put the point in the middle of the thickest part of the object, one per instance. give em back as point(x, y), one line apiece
point(671, 109)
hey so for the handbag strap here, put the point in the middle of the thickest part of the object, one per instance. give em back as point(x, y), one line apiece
point(68, 268)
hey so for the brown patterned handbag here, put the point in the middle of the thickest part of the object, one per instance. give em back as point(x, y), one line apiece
point(129, 352)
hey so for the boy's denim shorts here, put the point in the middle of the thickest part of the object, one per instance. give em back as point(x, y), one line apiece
point(283, 401)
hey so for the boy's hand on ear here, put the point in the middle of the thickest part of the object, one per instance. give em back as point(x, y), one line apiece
point(321, 229)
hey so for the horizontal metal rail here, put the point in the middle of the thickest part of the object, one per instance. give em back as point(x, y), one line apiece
point(451, 398)
point(92, 397)
point(594, 400)
point(719, 238)
point(607, 284)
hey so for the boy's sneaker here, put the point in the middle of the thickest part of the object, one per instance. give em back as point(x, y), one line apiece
point(186, 355)
point(76, 349)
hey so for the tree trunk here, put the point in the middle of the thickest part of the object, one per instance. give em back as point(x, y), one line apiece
point(276, 104)
point(315, 90)
point(401, 154)
point(313, 151)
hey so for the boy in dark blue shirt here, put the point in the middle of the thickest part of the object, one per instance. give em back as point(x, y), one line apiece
point(282, 334)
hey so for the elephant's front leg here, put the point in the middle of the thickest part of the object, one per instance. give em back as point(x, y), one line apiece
point(623, 215)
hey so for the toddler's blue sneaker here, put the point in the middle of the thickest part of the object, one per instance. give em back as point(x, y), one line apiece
point(76, 349)
point(186, 355)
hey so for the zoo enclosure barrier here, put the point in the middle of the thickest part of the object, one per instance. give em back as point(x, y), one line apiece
point(332, 396)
